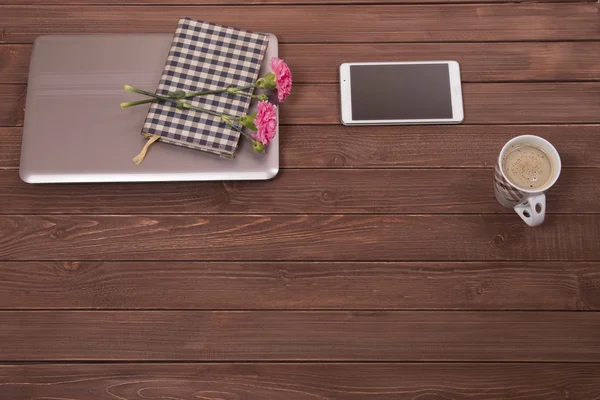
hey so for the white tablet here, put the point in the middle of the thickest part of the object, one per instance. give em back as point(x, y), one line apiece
point(401, 93)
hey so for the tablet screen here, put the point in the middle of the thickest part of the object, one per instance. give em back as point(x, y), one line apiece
point(400, 92)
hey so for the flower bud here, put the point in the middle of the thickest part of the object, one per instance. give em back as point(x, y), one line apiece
point(263, 97)
point(267, 82)
point(248, 121)
point(258, 146)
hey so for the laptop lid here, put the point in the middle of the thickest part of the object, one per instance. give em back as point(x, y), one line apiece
point(75, 130)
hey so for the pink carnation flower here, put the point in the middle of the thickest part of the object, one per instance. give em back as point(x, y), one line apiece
point(283, 76)
point(266, 122)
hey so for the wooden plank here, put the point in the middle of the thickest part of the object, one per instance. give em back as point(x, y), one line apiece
point(257, 2)
point(314, 24)
point(308, 381)
point(479, 62)
point(298, 237)
point(12, 104)
point(10, 147)
point(425, 146)
point(290, 286)
point(319, 63)
point(491, 103)
point(456, 146)
point(484, 103)
point(553, 102)
point(299, 335)
point(14, 63)
point(412, 191)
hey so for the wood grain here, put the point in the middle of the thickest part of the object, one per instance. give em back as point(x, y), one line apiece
point(456, 146)
point(353, 253)
point(502, 62)
point(412, 191)
point(299, 335)
point(426, 146)
point(12, 104)
point(314, 24)
point(319, 63)
point(491, 103)
point(14, 63)
point(308, 381)
point(298, 237)
point(485, 103)
point(260, 2)
point(10, 147)
point(300, 285)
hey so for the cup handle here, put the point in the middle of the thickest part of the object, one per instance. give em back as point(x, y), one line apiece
point(532, 210)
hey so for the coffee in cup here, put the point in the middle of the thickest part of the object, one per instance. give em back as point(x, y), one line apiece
point(527, 167)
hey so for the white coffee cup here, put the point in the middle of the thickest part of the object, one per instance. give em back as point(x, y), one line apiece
point(529, 204)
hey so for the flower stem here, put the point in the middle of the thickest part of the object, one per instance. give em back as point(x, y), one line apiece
point(139, 91)
point(187, 96)
point(218, 91)
point(180, 103)
point(136, 103)
point(253, 96)
point(228, 121)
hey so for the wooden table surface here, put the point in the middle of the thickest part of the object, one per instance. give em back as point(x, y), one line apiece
point(376, 265)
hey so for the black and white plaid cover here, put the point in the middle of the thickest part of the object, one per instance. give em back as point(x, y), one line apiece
point(206, 56)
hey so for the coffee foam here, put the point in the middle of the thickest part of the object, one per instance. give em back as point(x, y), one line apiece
point(527, 167)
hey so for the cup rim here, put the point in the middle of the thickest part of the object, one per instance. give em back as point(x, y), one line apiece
point(557, 167)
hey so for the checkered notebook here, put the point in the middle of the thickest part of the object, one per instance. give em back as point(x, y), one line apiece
point(206, 56)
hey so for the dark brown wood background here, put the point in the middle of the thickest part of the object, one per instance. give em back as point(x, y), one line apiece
point(376, 265)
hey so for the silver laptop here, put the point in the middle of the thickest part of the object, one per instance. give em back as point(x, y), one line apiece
point(75, 130)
